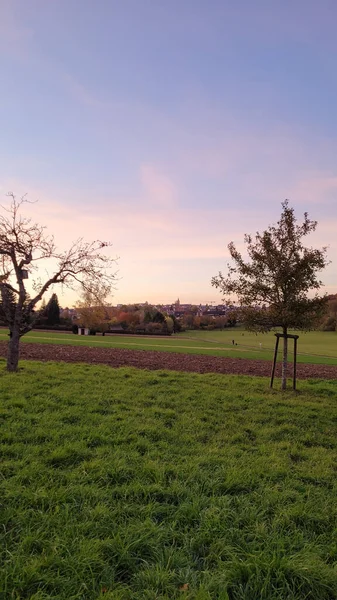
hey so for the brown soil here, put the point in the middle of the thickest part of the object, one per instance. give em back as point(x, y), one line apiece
point(146, 359)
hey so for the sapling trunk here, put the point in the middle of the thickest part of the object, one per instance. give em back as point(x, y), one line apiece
point(284, 360)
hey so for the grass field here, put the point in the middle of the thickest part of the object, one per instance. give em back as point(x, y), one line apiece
point(313, 347)
point(134, 485)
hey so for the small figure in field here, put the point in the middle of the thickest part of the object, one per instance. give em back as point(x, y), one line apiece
point(233, 342)
point(260, 345)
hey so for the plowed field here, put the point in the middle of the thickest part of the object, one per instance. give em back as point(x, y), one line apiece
point(147, 359)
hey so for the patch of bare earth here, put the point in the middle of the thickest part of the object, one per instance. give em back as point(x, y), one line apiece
point(148, 359)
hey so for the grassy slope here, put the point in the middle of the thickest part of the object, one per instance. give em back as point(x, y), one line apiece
point(127, 484)
point(314, 347)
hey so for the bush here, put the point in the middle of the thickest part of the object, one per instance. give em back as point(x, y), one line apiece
point(74, 329)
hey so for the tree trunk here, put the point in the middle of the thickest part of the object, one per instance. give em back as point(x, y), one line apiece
point(13, 350)
point(284, 360)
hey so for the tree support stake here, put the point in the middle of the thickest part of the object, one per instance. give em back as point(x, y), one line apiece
point(288, 336)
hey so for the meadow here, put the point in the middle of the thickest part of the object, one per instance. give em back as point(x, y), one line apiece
point(313, 347)
point(122, 484)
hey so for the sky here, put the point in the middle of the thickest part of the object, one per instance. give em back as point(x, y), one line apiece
point(170, 128)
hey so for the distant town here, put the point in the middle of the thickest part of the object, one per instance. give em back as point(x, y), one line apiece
point(176, 308)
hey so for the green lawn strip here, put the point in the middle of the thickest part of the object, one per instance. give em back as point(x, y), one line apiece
point(129, 484)
point(178, 344)
point(319, 343)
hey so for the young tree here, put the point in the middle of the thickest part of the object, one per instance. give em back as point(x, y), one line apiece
point(23, 245)
point(273, 286)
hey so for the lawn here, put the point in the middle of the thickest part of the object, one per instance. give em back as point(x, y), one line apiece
point(314, 343)
point(133, 485)
point(313, 347)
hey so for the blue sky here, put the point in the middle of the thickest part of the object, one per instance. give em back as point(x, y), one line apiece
point(170, 128)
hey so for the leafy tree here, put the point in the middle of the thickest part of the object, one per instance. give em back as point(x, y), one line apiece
point(221, 322)
point(52, 311)
point(129, 319)
point(8, 307)
point(273, 286)
point(176, 324)
point(329, 322)
point(23, 245)
point(169, 324)
point(92, 310)
point(158, 317)
point(189, 321)
point(153, 315)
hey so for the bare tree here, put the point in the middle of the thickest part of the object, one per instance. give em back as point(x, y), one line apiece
point(23, 245)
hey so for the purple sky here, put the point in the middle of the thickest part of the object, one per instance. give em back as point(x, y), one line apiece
point(170, 128)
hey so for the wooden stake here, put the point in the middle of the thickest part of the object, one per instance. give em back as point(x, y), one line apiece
point(274, 362)
point(295, 362)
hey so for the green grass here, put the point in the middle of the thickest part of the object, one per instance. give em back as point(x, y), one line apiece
point(128, 485)
point(314, 343)
point(313, 347)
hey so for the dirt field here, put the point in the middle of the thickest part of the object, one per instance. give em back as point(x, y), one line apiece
point(146, 359)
